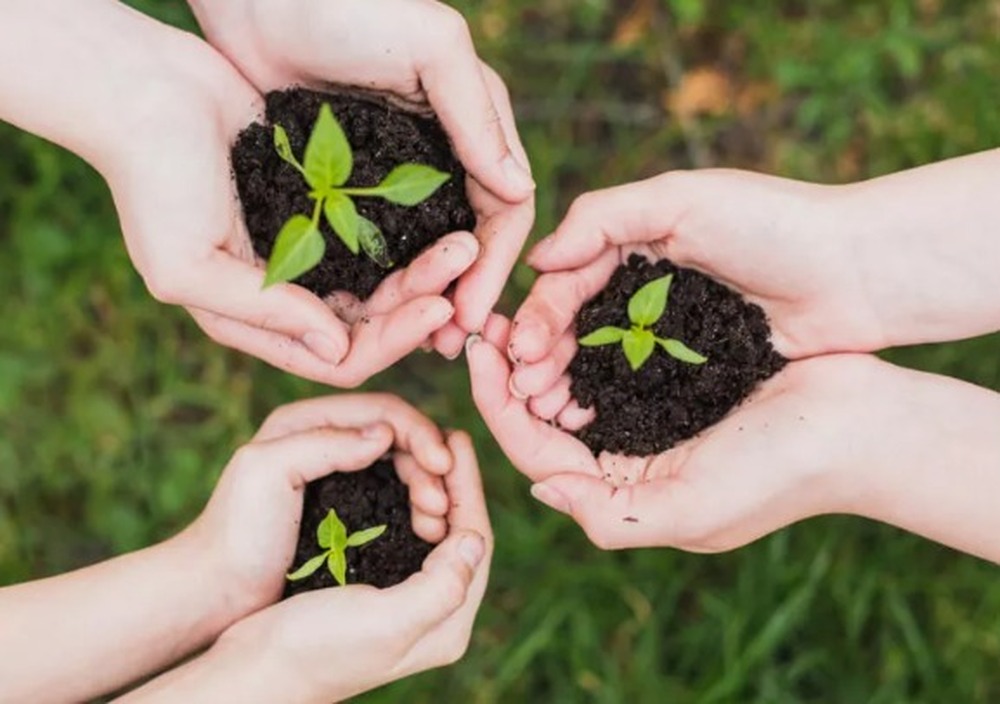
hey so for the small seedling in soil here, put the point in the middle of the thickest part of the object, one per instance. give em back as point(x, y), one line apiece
point(327, 166)
point(334, 540)
point(645, 309)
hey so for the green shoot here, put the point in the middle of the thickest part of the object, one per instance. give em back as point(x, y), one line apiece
point(645, 308)
point(333, 540)
point(327, 165)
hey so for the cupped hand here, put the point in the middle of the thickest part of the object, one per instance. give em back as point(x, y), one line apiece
point(798, 447)
point(421, 52)
point(332, 644)
point(173, 187)
point(251, 524)
point(770, 239)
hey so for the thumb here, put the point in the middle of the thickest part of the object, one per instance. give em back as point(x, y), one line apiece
point(649, 514)
point(436, 592)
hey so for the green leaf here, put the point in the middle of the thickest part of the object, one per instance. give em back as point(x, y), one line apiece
point(602, 336)
point(344, 219)
point(337, 564)
point(307, 569)
point(410, 184)
point(337, 531)
point(678, 350)
point(649, 302)
point(328, 154)
point(363, 537)
point(638, 345)
point(373, 242)
point(298, 248)
point(284, 147)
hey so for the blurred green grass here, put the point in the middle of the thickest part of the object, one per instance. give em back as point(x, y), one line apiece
point(117, 414)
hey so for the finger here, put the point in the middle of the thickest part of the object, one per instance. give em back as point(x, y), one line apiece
point(533, 446)
point(432, 529)
point(449, 341)
point(574, 418)
point(234, 291)
point(428, 275)
point(382, 340)
point(537, 378)
point(427, 492)
point(456, 87)
point(552, 305)
point(415, 434)
point(278, 350)
point(634, 213)
point(550, 404)
point(464, 485)
point(429, 597)
point(497, 331)
point(502, 235)
point(307, 456)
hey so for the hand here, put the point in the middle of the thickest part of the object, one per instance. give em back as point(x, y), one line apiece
point(250, 526)
point(172, 184)
point(277, 44)
point(770, 239)
point(372, 636)
point(810, 440)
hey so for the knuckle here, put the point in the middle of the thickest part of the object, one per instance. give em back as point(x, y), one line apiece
point(455, 650)
point(163, 286)
point(451, 24)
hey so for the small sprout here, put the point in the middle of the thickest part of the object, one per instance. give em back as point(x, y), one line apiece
point(333, 539)
point(645, 309)
point(328, 164)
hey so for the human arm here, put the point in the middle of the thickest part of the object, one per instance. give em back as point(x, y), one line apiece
point(89, 632)
point(374, 46)
point(155, 110)
point(839, 433)
point(897, 260)
point(331, 645)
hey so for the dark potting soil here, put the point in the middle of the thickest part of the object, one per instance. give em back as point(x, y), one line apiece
point(364, 499)
point(382, 137)
point(649, 411)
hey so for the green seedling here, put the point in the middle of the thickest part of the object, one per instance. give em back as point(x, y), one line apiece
point(327, 165)
point(645, 308)
point(333, 540)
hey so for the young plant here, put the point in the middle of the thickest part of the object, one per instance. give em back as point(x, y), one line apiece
point(327, 165)
point(333, 540)
point(645, 308)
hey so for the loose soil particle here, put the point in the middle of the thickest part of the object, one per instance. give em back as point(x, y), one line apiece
point(647, 412)
point(364, 499)
point(382, 137)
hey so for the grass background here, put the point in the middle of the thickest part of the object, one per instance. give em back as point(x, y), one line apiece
point(117, 414)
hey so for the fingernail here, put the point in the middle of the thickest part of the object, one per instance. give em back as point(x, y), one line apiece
point(513, 356)
point(517, 176)
point(323, 347)
point(471, 341)
point(550, 497)
point(514, 391)
point(440, 457)
point(471, 550)
point(470, 250)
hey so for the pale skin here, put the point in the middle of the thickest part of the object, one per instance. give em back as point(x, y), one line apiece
point(90, 632)
point(155, 110)
point(839, 271)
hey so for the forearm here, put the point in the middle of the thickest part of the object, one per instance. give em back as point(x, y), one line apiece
point(84, 73)
point(927, 245)
point(225, 674)
point(936, 470)
point(79, 635)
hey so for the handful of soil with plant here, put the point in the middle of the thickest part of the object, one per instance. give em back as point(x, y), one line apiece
point(664, 353)
point(339, 190)
point(356, 529)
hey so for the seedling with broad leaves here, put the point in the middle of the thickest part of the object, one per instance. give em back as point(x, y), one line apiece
point(326, 167)
point(645, 309)
point(333, 540)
